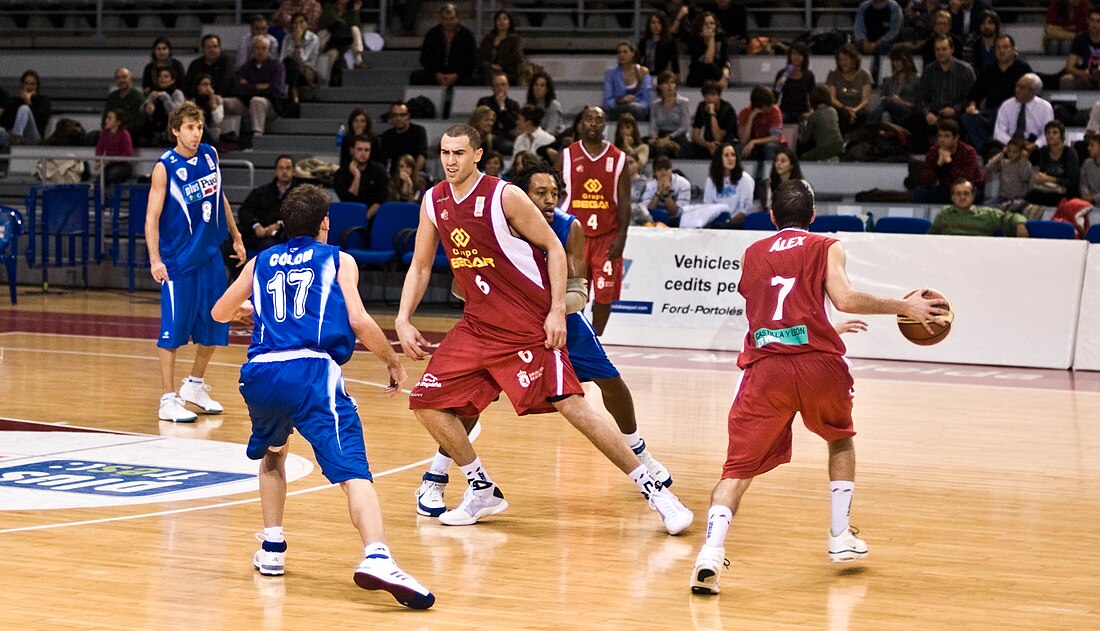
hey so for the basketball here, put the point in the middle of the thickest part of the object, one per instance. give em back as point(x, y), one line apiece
point(916, 333)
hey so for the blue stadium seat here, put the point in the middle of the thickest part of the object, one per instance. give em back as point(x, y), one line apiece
point(380, 243)
point(836, 223)
point(137, 196)
point(343, 219)
point(903, 225)
point(758, 221)
point(1093, 235)
point(11, 226)
point(1043, 229)
point(65, 212)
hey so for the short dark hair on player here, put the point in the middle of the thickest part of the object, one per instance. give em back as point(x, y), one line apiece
point(182, 112)
point(462, 129)
point(523, 180)
point(793, 204)
point(303, 210)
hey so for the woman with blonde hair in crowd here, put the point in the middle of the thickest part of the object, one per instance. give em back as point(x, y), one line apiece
point(482, 119)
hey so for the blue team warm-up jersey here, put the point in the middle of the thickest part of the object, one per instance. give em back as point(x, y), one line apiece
point(585, 351)
point(192, 222)
point(298, 301)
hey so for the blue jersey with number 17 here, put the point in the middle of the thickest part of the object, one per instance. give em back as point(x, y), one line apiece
point(192, 221)
point(298, 302)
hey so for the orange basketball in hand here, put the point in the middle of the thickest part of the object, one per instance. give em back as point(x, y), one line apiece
point(916, 333)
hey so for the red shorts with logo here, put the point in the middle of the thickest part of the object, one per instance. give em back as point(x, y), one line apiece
point(604, 277)
point(818, 385)
point(469, 370)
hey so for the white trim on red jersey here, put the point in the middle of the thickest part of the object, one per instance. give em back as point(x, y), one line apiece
point(519, 252)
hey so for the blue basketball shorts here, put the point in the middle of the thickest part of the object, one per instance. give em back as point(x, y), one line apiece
point(589, 360)
point(304, 390)
point(185, 304)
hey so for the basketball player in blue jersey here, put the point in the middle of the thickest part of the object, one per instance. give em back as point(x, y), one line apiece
point(307, 315)
point(541, 182)
point(187, 220)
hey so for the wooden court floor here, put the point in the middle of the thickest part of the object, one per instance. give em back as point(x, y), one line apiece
point(978, 494)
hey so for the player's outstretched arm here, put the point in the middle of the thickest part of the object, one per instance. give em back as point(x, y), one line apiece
point(576, 287)
point(851, 300)
point(416, 283)
point(229, 305)
point(524, 217)
point(366, 329)
point(158, 188)
point(239, 252)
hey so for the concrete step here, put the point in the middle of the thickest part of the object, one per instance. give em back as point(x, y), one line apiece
point(378, 93)
point(307, 126)
point(330, 110)
point(296, 144)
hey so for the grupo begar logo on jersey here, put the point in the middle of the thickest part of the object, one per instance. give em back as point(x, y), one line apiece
point(460, 237)
point(111, 479)
point(592, 185)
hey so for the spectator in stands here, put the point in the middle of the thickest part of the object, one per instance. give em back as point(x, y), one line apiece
point(849, 88)
point(159, 103)
point(793, 84)
point(760, 125)
point(966, 16)
point(258, 217)
point(406, 185)
point(1082, 65)
point(492, 163)
point(657, 51)
point(819, 137)
point(213, 64)
point(878, 23)
point(667, 191)
point(1013, 172)
point(362, 180)
point(733, 20)
point(520, 161)
point(541, 94)
point(669, 117)
point(639, 215)
point(128, 100)
point(283, 18)
point(507, 113)
point(484, 120)
point(899, 91)
point(714, 121)
point(339, 32)
point(963, 218)
point(161, 58)
point(1059, 174)
point(983, 44)
point(629, 138)
point(501, 50)
point(359, 124)
point(301, 47)
point(918, 20)
point(944, 90)
point(708, 52)
point(949, 160)
point(626, 86)
point(728, 185)
point(785, 167)
point(995, 86)
point(114, 140)
point(213, 109)
point(259, 89)
point(257, 29)
point(681, 15)
point(941, 27)
point(448, 54)
point(1065, 19)
point(1026, 115)
point(532, 136)
point(1090, 171)
point(403, 136)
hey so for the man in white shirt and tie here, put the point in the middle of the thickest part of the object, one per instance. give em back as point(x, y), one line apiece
point(1026, 115)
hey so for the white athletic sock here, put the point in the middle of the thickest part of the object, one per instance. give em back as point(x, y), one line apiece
point(842, 491)
point(194, 379)
point(475, 473)
point(440, 464)
point(646, 483)
point(377, 549)
point(167, 395)
point(718, 523)
point(634, 440)
point(274, 535)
